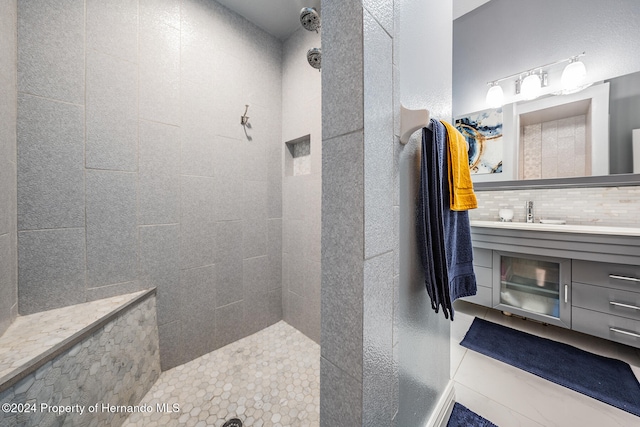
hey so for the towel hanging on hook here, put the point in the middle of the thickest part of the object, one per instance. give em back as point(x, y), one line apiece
point(411, 121)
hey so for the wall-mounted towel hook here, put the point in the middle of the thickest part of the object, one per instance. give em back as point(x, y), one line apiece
point(244, 119)
point(411, 121)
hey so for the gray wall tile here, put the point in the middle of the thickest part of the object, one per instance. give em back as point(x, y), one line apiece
point(51, 49)
point(377, 377)
point(293, 197)
point(7, 286)
point(159, 62)
point(112, 113)
point(297, 266)
point(159, 267)
point(158, 176)
point(301, 195)
point(198, 286)
point(8, 76)
point(274, 253)
point(171, 341)
point(228, 84)
point(112, 27)
point(195, 171)
point(51, 269)
point(341, 402)
point(255, 275)
point(197, 130)
point(112, 234)
point(199, 310)
point(378, 145)
point(342, 83)
point(262, 310)
point(381, 11)
point(274, 183)
point(343, 253)
point(109, 291)
point(313, 216)
point(229, 183)
point(50, 164)
point(229, 287)
point(230, 324)
point(8, 189)
point(255, 160)
point(312, 283)
point(198, 227)
point(198, 44)
point(254, 231)
point(165, 12)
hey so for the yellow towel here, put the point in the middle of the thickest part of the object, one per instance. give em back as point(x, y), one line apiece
point(461, 195)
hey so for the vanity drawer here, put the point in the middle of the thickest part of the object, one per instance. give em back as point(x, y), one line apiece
point(606, 300)
point(614, 328)
point(618, 276)
point(482, 257)
point(484, 297)
point(484, 276)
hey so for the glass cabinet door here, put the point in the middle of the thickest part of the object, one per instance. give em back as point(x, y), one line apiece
point(533, 286)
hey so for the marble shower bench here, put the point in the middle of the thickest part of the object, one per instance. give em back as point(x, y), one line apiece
point(95, 353)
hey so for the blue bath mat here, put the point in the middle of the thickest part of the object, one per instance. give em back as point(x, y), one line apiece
point(464, 417)
point(609, 380)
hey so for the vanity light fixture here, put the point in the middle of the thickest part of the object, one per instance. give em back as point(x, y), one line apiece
point(574, 76)
point(529, 83)
point(495, 95)
point(531, 86)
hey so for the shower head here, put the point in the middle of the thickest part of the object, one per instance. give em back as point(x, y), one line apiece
point(314, 56)
point(310, 19)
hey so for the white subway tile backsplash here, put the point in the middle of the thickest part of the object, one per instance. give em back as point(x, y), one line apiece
point(612, 206)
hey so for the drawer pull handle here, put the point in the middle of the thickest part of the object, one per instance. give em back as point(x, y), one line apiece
point(619, 304)
point(630, 279)
point(622, 331)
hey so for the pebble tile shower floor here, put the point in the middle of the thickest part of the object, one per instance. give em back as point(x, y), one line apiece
point(269, 379)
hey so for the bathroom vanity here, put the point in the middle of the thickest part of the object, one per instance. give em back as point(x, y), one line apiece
point(581, 277)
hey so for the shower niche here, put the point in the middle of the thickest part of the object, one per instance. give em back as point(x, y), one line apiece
point(298, 156)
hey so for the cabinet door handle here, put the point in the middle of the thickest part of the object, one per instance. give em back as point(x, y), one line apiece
point(566, 293)
point(630, 279)
point(622, 331)
point(619, 304)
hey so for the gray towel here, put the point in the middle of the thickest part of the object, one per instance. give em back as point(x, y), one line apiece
point(431, 237)
point(444, 236)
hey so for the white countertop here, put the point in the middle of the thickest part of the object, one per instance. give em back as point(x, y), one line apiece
point(560, 228)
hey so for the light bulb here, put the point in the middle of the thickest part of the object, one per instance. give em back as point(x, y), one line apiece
point(573, 76)
point(531, 87)
point(495, 96)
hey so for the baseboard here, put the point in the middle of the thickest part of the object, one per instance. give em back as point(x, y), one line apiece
point(442, 411)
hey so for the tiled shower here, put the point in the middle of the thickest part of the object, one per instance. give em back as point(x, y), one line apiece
point(133, 170)
point(157, 184)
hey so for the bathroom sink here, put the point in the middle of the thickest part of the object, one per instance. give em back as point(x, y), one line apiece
point(560, 228)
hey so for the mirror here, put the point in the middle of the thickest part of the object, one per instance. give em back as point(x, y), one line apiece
point(496, 40)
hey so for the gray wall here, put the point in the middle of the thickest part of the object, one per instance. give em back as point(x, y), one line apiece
point(301, 195)
point(423, 342)
point(133, 169)
point(8, 250)
point(373, 300)
point(503, 37)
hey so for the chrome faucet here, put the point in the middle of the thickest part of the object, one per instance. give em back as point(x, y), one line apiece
point(529, 210)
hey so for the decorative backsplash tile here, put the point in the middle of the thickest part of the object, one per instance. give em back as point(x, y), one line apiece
point(612, 206)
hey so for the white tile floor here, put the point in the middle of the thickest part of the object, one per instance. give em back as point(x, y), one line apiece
point(269, 379)
point(510, 397)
